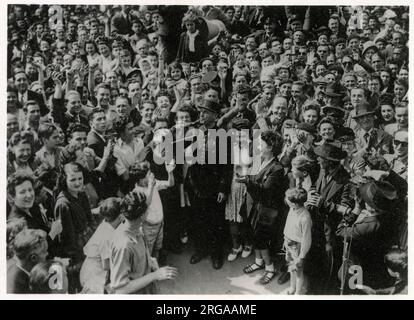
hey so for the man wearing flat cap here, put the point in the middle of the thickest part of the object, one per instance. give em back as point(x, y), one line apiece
point(208, 186)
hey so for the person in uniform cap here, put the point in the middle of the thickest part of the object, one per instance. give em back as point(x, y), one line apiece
point(208, 186)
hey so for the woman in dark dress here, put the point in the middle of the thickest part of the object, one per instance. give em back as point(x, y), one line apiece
point(267, 190)
point(72, 208)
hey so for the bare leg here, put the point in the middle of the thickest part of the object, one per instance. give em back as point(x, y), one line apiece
point(300, 281)
point(266, 257)
point(292, 288)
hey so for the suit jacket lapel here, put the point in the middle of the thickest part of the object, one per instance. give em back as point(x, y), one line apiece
point(264, 172)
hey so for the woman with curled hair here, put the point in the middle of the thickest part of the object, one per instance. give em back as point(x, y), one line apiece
point(95, 268)
point(20, 154)
point(72, 208)
point(266, 187)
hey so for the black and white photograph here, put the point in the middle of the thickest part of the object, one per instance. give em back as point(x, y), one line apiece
point(242, 150)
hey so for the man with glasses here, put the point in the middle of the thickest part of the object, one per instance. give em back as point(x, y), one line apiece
point(399, 159)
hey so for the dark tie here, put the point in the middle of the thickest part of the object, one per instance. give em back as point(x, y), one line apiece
point(366, 137)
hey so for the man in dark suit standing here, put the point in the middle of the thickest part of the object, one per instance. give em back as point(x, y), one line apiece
point(121, 22)
point(208, 186)
point(332, 189)
point(97, 141)
point(24, 94)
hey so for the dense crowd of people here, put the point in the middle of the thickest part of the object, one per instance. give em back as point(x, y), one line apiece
point(94, 91)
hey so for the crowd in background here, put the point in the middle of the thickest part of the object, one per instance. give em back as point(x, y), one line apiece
point(93, 91)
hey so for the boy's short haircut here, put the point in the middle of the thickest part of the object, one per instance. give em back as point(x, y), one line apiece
point(297, 195)
point(77, 127)
point(95, 111)
point(110, 209)
point(148, 102)
point(46, 130)
point(102, 85)
point(26, 241)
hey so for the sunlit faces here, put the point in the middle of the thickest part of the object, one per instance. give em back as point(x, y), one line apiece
point(74, 179)
point(20, 81)
point(146, 112)
point(133, 89)
point(206, 66)
point(241, 61)
point(265, 79)
point(207, 117)
point(254, 68)
point(401, 116)
point(33, 113)
point(385, 78)
point(323, 39)
point(401, 143)
point(268, 61)
point(263, 50)
point(374, 85)
point(349, 82)
point(376, 62)
point(310, 116)
point(24, 195)
point(250, 44)
point(176, 74)
point(164, 103)
point(22, 152)
point(287, 44)
point(122, 106)
point(399, 91)
point(286, 89)
point(357, 96)
point(362, 81)
point(387, 112)
point(296, 91)
point(211, 95)
point(320, 70)
point(403, 74)
point(12, 125)
point(330, 77)
point(327, 131)
point(240, 80)
point(183, 118)
point(190, 25)
point(276, 47)
point(278, 110)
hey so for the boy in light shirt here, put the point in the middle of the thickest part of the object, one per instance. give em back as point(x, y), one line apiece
point(298, 237)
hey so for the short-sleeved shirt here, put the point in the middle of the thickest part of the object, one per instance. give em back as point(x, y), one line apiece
point(130, 258)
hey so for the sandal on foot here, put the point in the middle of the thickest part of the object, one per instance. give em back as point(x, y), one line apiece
point(253, 267)
point(267, 277)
